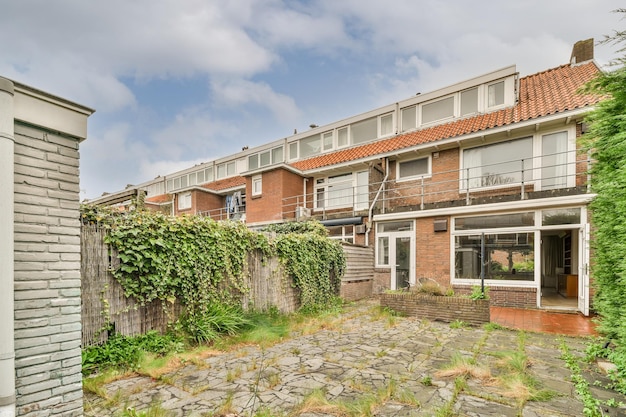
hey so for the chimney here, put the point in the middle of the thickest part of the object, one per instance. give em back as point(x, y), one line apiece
point(582, 51)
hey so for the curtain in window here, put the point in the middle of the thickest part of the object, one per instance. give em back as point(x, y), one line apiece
point(472, 159)
point(554, 161)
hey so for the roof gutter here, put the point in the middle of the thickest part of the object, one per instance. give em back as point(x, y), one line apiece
point(7, 329)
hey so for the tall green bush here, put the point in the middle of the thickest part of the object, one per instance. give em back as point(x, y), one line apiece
point(606, 139)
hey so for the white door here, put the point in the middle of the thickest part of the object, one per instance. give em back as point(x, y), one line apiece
point(583, 270)
point(402, 257)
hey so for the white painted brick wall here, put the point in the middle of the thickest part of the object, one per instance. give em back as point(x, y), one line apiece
point(47, 274)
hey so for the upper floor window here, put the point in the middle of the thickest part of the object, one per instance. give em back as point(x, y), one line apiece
point(414, 168)
point(184, 201)
point(344, 190)
point(257, 185)
point(469, 101)
point(438, 110)
point(265, 158)
point(364, 131)
point(498, 164)
point(495, 94)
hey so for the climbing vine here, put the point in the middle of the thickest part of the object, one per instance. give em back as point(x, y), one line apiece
point(200, 262)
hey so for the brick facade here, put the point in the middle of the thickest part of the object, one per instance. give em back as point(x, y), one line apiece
point(47, 274)
point(277, 185)
point(447, 309)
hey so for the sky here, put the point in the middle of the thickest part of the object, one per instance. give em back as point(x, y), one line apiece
point(178, 82)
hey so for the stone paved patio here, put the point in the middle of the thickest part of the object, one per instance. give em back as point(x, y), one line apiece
point(361, 355)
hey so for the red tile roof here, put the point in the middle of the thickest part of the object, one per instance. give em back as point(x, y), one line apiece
point(542, 94)
point(162, 198)
point(225, 184)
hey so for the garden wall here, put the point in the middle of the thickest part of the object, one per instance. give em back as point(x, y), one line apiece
point(103, 299)
point(447, 309)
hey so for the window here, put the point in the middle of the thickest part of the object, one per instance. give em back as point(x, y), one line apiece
point(193, 178)
point(200, 177)
point(554, 161)
point(382, 253)
point(364, 131)
point(469, 101)
point(386, 124)
point(414, 168)
point(498, 164)
point(342, 137)
point(208, 174)
point(345, 190)
point(438, 110)
point(257, 185)
point(327, 140)
point(277, 155)
point(264, 158)
point(184, 201)
point(409, 118)
point(293, 150)
point(495, 94)
point(253, 161)
point(508, 256)
point(310, 146)
point(496, 221)
point(221, 171)
point(344, 233)
point(231, 168)
point(560, 216)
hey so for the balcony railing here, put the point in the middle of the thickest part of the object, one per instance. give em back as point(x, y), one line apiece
point(226, 213)
point(520, 179)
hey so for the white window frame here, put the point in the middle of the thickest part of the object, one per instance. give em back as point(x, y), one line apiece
point(455, 98)
point(344, 237)
point(325, 183)
point(380, 124)
point(535, 169)
point(184, 201)
point(428, 174)
point(497, 105)
point(257, 185)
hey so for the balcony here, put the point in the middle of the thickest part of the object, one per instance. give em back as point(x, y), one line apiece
point(514, 180)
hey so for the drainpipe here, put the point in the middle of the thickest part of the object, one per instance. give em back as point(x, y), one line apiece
point(371, 210)
point(7, 351)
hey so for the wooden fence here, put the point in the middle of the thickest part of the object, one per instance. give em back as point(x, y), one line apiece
point(103, 300)
point(103, 297)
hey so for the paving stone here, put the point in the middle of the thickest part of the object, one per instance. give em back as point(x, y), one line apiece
point(360, 357)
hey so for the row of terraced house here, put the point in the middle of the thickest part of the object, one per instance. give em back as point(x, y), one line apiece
point(485, 169)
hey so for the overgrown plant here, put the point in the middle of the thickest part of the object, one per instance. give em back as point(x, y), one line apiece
point(606, 141)
point(315, 262)
point(201, 263)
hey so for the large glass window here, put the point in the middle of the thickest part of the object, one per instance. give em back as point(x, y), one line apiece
point(438, 110)
point(554, 161)
point(364, 130)
point(310, 146)
point(383, 250)
point(560, 216)
point(345, 190)
point(508, 256)
point(495, 221)
point(498, 164)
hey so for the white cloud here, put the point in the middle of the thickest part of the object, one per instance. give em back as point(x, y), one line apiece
point(238, 92)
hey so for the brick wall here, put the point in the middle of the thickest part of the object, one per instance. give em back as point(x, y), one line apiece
point(521, 297)
point(447, 309)
point(432, 258)
point(47, 274)
point(356, 290)
point(276, 185)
